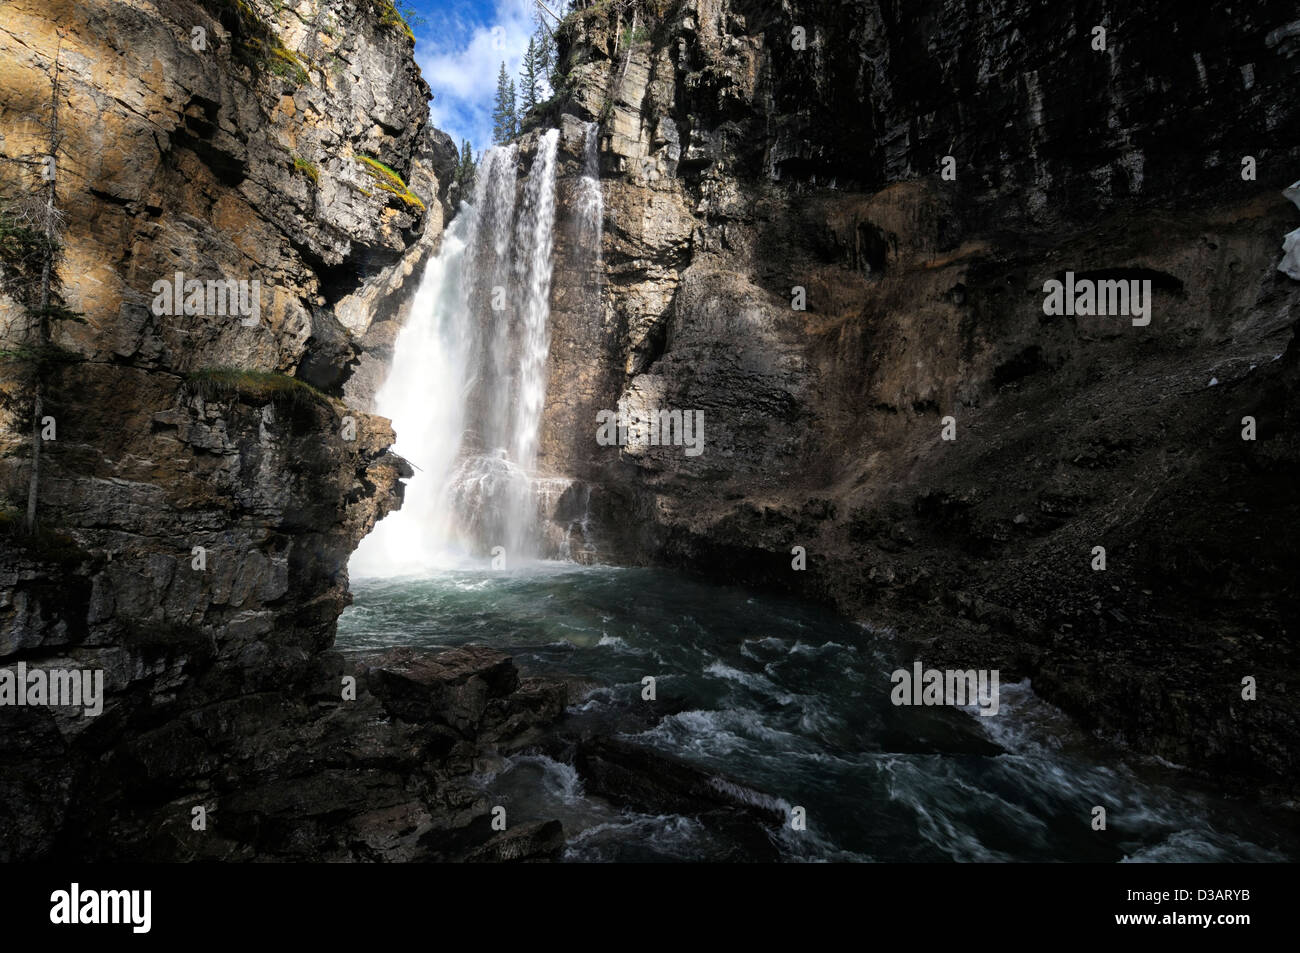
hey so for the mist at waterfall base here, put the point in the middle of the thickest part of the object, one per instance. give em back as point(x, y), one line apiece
point(783, 703)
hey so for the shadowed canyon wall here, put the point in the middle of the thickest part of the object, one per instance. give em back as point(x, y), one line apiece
point(738, 168)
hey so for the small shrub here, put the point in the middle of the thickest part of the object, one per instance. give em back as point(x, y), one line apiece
point(388, 180)
point(633, 37)
point(257, 45)
point(286, 63)
point(390, 15)
point(43, 356)
point(306, 168)
point(229, 383)
point(44, 544)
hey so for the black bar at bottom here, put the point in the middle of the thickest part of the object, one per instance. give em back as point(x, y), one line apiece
point(334, 904)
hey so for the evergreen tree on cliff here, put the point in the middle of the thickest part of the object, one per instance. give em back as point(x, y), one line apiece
point(528, 78)
point(545, 63)
point(31, 225)
point(545, 55)
point(503, 113)
point(466, 171)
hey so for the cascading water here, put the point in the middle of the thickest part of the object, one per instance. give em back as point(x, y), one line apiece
point(591, 202)
point(533, 278)
point(424, 396)
point(468, 381)
point(571, 525)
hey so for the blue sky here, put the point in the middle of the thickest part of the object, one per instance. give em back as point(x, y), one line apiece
point(460, 46)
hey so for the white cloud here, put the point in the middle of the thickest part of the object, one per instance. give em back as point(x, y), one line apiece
point(463, 75)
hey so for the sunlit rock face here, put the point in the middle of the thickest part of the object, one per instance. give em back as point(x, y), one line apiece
point(198, 523)
point(828, 226)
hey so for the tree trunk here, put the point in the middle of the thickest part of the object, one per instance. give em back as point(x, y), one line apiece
point(43, 318)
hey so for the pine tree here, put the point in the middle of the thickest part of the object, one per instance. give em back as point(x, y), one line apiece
point(31, 226)
point(545, 61)
point(513, 114)
point(528, 78)
point(466, 171)
point(503, 113)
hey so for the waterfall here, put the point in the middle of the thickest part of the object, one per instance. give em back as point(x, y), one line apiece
point(423, 395)
point(590, 202)
point(567, 504)
point(533, 271)
point(467, 384)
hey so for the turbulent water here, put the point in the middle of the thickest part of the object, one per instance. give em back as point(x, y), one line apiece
point(794, 703)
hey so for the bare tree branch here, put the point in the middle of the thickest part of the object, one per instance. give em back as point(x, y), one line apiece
point(546, 9)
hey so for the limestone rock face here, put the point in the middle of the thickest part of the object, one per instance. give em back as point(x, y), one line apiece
point(207, 484)
point(375, 313)
point(828, 226)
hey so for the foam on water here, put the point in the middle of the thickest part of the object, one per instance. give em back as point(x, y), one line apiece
point(791, 704)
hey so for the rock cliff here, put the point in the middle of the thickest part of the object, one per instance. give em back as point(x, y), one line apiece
point(829, 227)
point(205, 482)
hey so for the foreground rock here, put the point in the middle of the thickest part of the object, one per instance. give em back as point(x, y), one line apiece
point(332, 779)
point(745, 821)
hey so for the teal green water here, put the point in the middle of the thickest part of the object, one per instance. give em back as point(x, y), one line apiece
point(793, 702)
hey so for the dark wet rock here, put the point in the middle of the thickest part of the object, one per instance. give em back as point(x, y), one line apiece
point(540, 840)
point(651, 782)
point(632, 774)
point(454, 687)
point(528, 716)
point(335, 780)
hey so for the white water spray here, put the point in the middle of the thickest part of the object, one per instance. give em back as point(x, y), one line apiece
point(533, 273)
point(467, 385)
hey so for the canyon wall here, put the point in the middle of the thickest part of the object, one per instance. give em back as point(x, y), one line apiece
point(756, 153)
point(205, 482)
